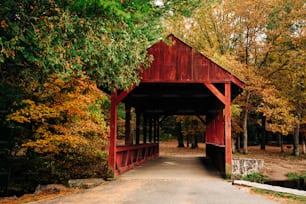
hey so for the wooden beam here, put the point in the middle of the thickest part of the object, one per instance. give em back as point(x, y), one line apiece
point(236, 81)
point(163, 118)
point(113, 133)
point(137, 126)
point(155, 129)
point(150, 129)
point(216, 92)
point(128, 138)
point(201, 119)
point(158, 131)
point(228, 136)
point(123, 94)
point(145, 128)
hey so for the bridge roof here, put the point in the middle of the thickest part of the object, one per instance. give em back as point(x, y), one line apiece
point(177, 62)
point(176, 82)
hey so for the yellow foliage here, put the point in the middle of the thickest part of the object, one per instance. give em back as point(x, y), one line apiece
point(278, 112)
point(68, 116)
point(57, 143)
point(32, 112)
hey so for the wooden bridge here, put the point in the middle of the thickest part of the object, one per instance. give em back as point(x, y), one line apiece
point(180, 81)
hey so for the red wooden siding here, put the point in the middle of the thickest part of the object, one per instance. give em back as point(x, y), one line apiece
point(215, 129)
point(178, 62)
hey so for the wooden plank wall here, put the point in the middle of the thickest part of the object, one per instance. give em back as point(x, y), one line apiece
point(215, 129)
point(178, 62)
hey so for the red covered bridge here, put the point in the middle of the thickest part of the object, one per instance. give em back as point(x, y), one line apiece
point(180, 81)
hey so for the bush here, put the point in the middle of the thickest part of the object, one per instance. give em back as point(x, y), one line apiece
point(255, 177)
point(294, 176)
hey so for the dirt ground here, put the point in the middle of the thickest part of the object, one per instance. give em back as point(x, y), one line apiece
point(276, 166)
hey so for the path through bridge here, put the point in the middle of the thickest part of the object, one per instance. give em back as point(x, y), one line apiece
point(166, 180)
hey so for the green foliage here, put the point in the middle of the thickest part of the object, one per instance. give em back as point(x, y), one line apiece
point(76, 165)
point(26, 172)
point(255, 177)
point(106, 40)
point(294, 176)
point(110, 50)
point(53, 56)
point(191, 125)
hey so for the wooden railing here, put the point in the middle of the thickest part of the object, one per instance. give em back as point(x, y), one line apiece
point(127, 157)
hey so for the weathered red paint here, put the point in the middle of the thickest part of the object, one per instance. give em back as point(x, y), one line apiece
point(216, 92)
point(180, 63)
point(215, 129)
point(228, 126)
point(113, 132)
point(130, 156)
point(210, 86)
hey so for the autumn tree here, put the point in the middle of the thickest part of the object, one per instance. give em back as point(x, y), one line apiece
point(255, 40)
point(62, 117)
point(194, 129)
point(62, 129)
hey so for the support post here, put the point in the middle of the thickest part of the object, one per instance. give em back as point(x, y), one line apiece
point(155, 129)
point(128, 139)
point(158, 132)
point(113, 133)
point(145, 130)
point(150, 130)
point(228, 146)
point(137, 126)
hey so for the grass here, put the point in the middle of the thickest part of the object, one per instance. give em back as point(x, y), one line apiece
point(294, 176)
point(289, 198)
point(255, 177)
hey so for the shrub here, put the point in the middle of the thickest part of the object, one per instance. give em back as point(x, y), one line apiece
point(255, 177)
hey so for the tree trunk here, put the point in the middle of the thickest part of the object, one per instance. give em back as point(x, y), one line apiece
point(303, 144)
point(245, 132)
point(238, 143)
point(194, 144)
point(188, 140)
point(263, 133)
point(234, 141)
point(179, 134)
point(245, 126)
point(296, 138)
point(280, 137)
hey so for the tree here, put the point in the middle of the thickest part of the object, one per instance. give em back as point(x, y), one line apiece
point(67, 40)
point(286, 57)
point(191, 127)
point(253, 40)
point(179, 134)
point(63, 117)
point(53, 56)
point(106, 40)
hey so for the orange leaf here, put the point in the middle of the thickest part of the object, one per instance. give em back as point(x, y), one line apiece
point(4, 24)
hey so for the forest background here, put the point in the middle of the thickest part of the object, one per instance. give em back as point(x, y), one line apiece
point(58, 60)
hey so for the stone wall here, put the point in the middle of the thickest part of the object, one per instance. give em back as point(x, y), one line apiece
point(245, 166)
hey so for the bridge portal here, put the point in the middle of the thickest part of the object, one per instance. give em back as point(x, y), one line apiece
point(180, 81)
